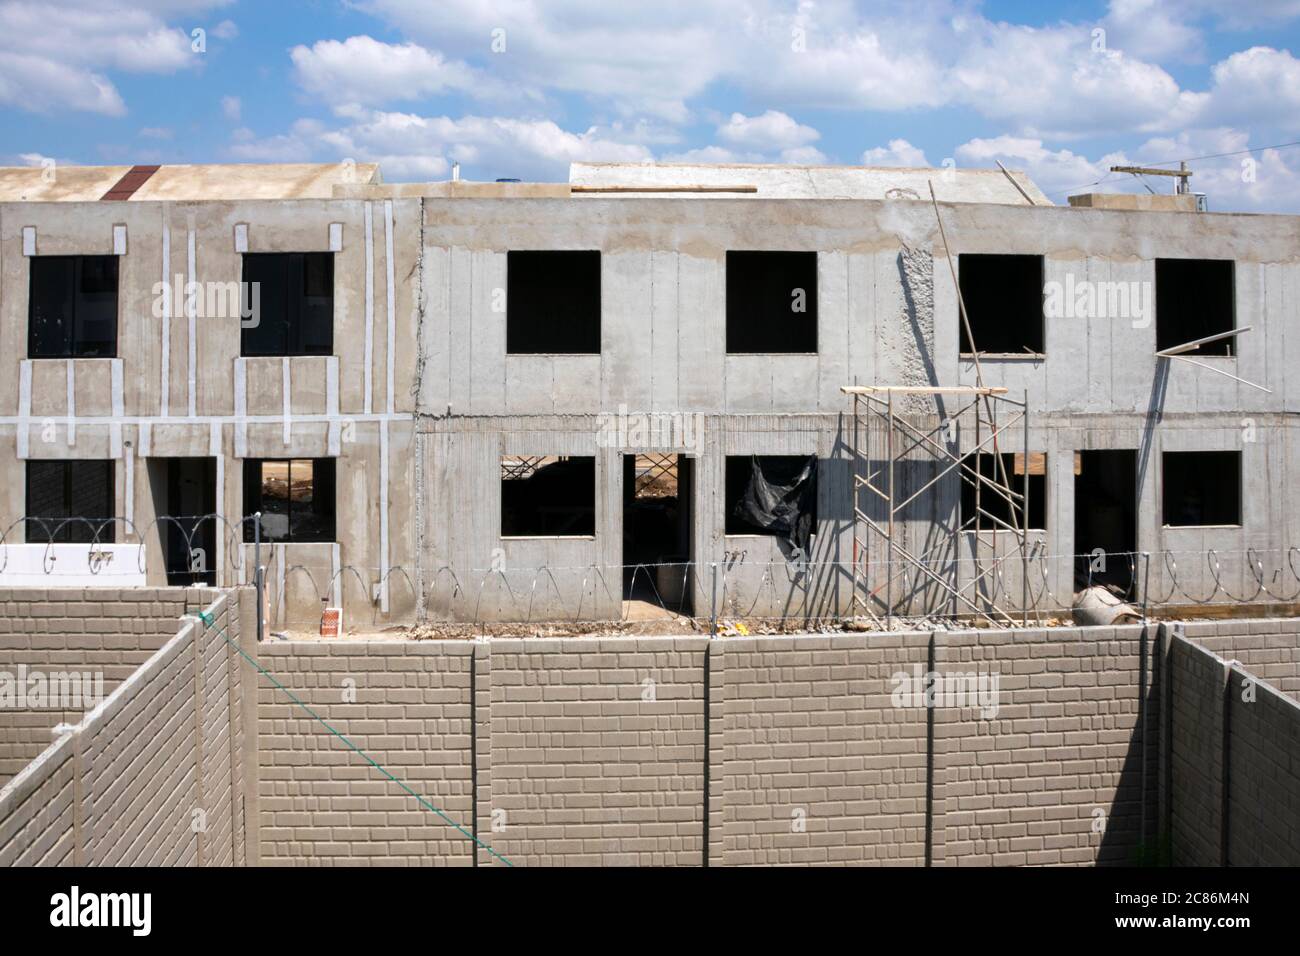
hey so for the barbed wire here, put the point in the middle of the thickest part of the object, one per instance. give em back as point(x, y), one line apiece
point(803, 589)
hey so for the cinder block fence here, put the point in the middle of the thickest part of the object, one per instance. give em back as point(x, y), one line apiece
point(1042, 747)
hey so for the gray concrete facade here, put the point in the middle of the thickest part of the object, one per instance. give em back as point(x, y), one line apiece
point(420, 401)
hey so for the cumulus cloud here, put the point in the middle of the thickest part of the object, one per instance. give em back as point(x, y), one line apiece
point(771, 130)
point(56, 57)
point(899, 152)
point(1265, 181)
point(410, 146)
point(363, 71)
point(232, 107)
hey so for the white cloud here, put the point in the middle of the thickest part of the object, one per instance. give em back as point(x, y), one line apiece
point(225, 30)
point(1256, 85)
point(232, 107)
point(410, 146)
point(1053, 170)
point(363, 71)
point(56, 57)
point(1268, 181)
point(772, 130)
point(899, 152)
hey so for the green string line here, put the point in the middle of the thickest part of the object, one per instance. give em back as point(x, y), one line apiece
point(207, 619)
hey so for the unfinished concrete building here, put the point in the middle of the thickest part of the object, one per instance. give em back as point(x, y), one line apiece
point(741, 391)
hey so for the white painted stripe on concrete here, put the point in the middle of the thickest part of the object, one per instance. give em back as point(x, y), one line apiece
point(165, 398)
point(392, 306)
point(119, 240)
point(241, 408)
point(214, 449)
point(146, 439)
point(336, 590)
point(278, 550)
point(128, 503)
point(29, 240)
point(119, 408)
point(332, 404)
point(72, 403)
point(24, 405)
point(383, 516)
point(370, 305)
point(336, 237)
point(241, 237)
point(192, 323)
point(285, 389)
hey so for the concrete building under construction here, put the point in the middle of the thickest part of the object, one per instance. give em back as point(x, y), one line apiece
point(741, 391)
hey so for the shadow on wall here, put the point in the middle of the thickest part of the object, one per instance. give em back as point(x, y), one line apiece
point(1132, 834)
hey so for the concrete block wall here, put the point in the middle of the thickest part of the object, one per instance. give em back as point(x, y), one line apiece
point(1263, 822)
point(148, 777)
point(663, 751)
point(1232, 778)
point(109, 631)
point(597, 752)
point(1056, 776)
point(1268, 648)
point(407, 705)
point(816, 765)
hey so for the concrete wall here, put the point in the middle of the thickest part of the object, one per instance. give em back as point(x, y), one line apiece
point(409, 707)
point(1234, 786)
point(1099, 745)
point(664, 751)
point(153, 775)
point(419, 400)
point(108, 631)
point(179, 387)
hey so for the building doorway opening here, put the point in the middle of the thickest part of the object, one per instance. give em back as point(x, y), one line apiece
point(187, 526)
point(657, 523)
point(1105, 518)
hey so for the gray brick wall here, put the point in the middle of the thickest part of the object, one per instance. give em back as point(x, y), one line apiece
point(148, 777)
point(406, 705)
point(92, 630)
point(1055, 777)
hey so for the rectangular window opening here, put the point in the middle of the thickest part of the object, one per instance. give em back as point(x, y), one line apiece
point(72, 307)
point(1003, 295)
point(773, 495)
point(295, 496)
point(552, 496)
point(553, 302)
point(292, 305)
point(771, 302)
point(1201, 488)
point(1195, 299)
point(995, 512)
point(70, 502)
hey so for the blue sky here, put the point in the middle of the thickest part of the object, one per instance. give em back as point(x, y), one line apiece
point(522, 87)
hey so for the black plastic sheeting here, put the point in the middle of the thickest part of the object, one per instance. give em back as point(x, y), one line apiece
point(782, 500)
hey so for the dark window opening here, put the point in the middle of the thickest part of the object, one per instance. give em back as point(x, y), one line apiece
point(295, 497)
point(1195, 298)
point(292, 307)
point(1003, 295)
point(548, 496)
point(772, 495)
point(70, 502)
point(771, 302)
point(1201, 488)
point(72, 307)
point(995, 511)
point(553, 303)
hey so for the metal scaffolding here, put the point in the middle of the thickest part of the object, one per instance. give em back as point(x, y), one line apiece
point(885, 441)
